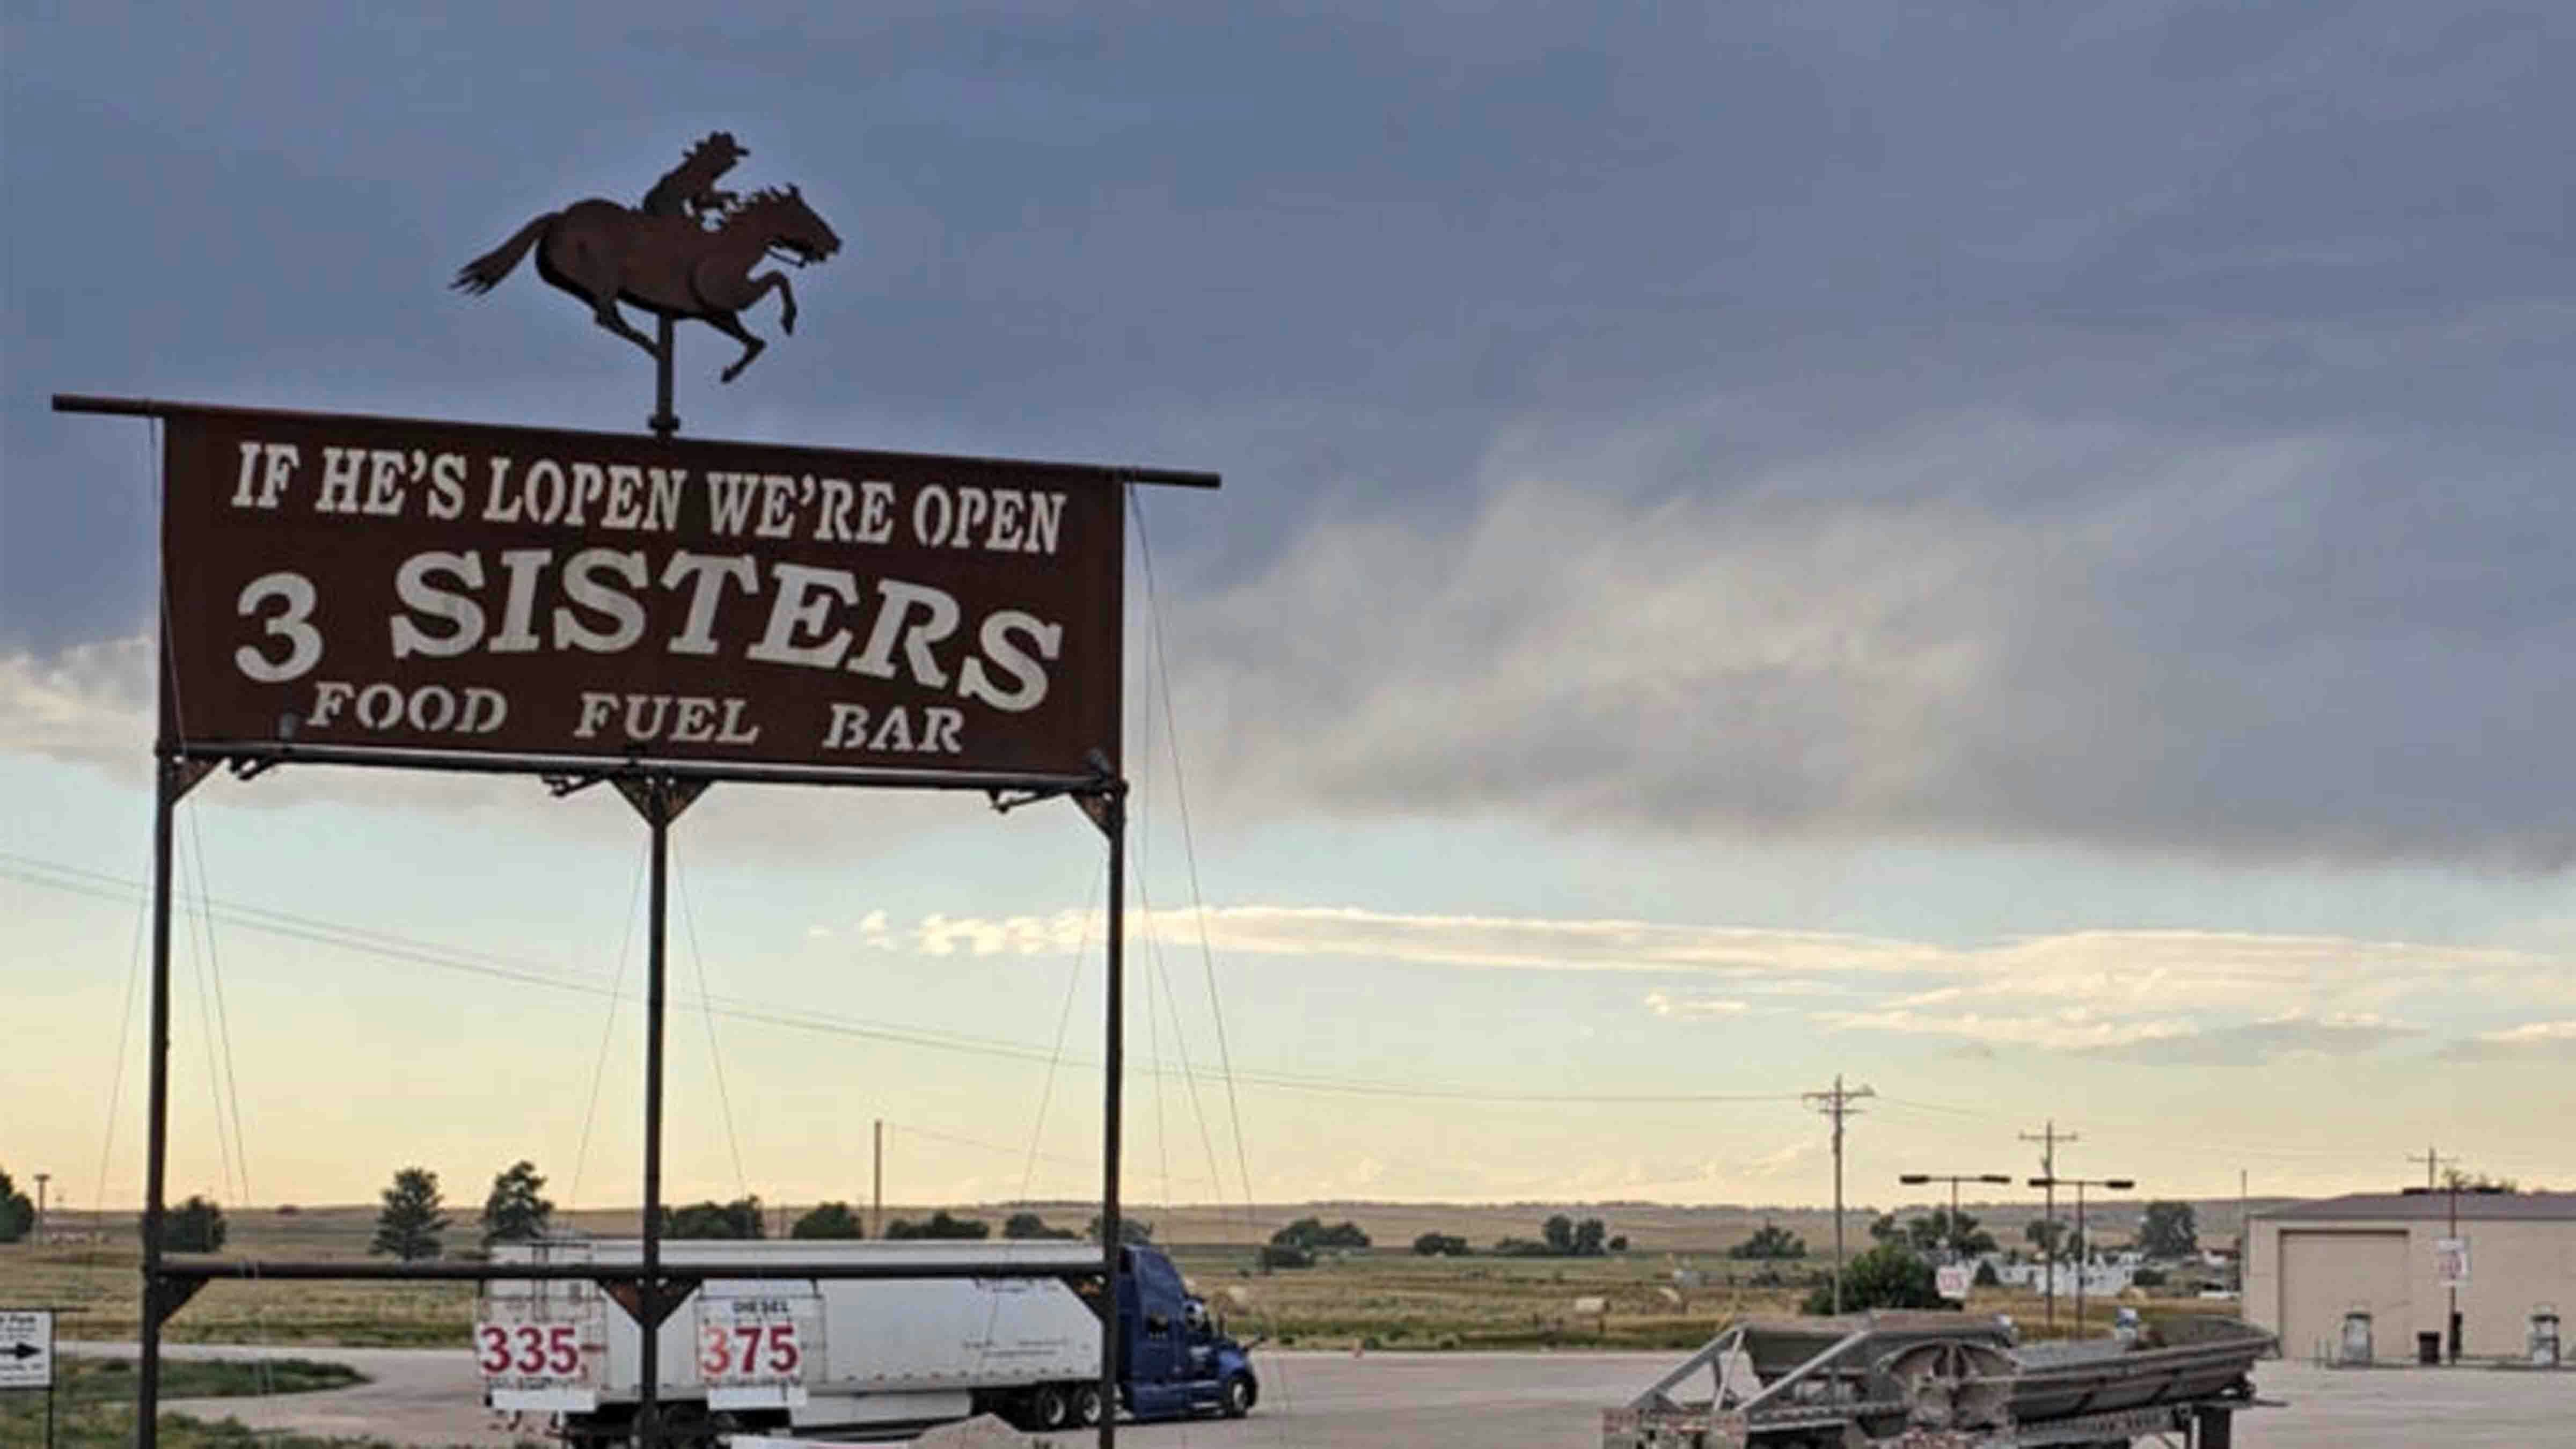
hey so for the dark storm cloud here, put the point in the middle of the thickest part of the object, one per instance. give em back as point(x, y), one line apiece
point(2126, 424)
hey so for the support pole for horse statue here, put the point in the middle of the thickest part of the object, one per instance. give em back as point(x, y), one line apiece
point(659, 799)
point(664, 422)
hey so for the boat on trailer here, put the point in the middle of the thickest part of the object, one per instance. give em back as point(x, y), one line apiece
point(1911, 1380)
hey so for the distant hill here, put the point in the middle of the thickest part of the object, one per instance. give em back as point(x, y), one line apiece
point(343, 1229)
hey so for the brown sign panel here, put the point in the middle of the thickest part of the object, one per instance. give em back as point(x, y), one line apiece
point(357, 583)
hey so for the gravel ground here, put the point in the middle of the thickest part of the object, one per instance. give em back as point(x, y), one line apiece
point(1488, 1400)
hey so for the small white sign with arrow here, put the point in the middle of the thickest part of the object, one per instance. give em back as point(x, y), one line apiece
point(26, 1348)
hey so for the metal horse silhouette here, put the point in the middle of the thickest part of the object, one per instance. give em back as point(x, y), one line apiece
point(689, 251)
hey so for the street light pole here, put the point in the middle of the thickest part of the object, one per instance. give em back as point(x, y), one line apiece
point(2084, 1248)
point(1918, 1179)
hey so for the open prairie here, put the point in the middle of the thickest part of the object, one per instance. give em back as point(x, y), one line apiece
point(1673, 1287)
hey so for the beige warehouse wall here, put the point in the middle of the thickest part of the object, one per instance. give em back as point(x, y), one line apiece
point(2514, 1267)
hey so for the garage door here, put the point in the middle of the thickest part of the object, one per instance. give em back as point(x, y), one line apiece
point(2327, 1275)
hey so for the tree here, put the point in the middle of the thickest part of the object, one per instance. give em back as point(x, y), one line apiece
point(17, 1214)
point(2455, 1180)
point(513, 1212)
point(194, 1226)
point(1441, 1245)
point(1890, 1275)
point(1769, 1241)
point(1030, 1225)
point(2048, 1235)
point(2169, 1230)
point(1286, 1255)
point(1883, 1228)
point(829, 1220)
point(1936, 1230)
point(1131, 1231)
point(408, 1224)
point(1589, 1235)
point(1311, 1235)
point(1619, 1243)
point(738, 1220)
point(1558, 1233)
point(940, 1225)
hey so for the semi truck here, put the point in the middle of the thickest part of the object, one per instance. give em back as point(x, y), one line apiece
point(761, 1338)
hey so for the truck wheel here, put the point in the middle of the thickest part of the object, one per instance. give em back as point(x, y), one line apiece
point(1238, 1395)
point(1086, 1406)
point(1048, 1407)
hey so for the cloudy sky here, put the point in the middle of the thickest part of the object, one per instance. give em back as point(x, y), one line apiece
point(2018, 554)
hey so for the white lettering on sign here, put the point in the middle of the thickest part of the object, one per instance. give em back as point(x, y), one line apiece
point(361, 586)
point(26, 1348)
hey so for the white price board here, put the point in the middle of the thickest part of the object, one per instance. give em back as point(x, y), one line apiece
point(26, 1348)
point(753, 1348)
point(541, 1352)
point(2451, 1262)
point(1954, 1280)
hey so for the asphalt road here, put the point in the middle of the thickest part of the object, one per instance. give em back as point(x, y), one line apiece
point(1488, 1400)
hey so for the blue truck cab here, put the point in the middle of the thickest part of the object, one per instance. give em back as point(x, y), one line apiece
point(1175, 1358)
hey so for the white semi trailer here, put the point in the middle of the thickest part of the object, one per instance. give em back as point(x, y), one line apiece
point(747, 1349)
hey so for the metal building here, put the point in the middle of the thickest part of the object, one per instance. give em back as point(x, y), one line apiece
point(2316, 1265)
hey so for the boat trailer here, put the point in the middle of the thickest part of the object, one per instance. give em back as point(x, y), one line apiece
point(1889, 1380)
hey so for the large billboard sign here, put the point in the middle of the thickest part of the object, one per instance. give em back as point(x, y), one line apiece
point(356, 586)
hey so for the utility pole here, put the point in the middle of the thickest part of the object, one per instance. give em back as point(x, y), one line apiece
point(2432, 1160)
point(1837, 1104)
point(876, 1200)
point(2048, 1137)
point(41, 1179)
point(2084, 1249)
point(2244, 1239)
point(2451, 1325)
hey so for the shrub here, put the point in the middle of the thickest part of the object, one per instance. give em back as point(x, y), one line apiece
point(1286, 1255)
point(194, 1226)
point(940, 1225)
point(739, 1219)
point(829, 1220)
point(1890, 1275)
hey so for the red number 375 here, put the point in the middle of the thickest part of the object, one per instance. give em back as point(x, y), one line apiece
point(738, 1351)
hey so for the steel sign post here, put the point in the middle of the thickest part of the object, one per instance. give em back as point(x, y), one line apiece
point(27, 1356)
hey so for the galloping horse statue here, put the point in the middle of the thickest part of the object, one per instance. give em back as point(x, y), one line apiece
point(665, 258)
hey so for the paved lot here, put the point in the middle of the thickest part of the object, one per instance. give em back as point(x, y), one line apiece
point(1497, 1401)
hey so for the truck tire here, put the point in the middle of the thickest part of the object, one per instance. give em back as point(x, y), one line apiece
point(1086, 1406)
point(1238, 1395)
point(1049, 1407)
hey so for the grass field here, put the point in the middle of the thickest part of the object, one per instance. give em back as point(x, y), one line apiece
point(93, 1404)
point(1387, 1297)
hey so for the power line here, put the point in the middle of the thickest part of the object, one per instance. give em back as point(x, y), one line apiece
point(392, 947)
